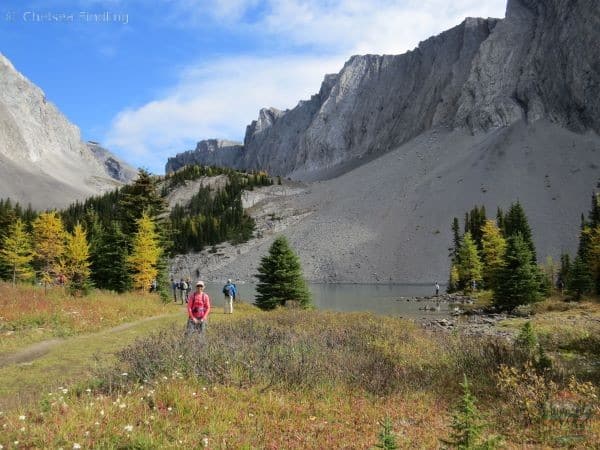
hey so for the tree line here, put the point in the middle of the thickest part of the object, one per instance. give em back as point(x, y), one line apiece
point(121, 240)
point(499, 254)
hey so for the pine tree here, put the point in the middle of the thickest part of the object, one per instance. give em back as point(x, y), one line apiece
point(109, 253)
point(593, 256)
point(453, 281)
point(500, 220)
point(145, 255)
point(280, 278)
point(141, 197)
point(494, 248)
point(77, 263)
point(17, 252)
point(467, 425)
point(49, 246)
point(515, 222)
point(594, 216)
point(580, 280)
point(564, 272)
point(519, 278)
point(387, 440)
point(470, 267)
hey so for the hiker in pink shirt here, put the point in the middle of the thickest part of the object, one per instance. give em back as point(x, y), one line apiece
point(198, 307)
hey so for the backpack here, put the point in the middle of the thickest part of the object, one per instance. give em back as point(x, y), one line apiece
point(227, 289)
point(184, 286)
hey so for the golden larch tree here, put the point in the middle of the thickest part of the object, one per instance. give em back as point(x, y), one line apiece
point(49, 245)
point(17, 252)
point(146, 252)
point(76, 261)
point(494, 249)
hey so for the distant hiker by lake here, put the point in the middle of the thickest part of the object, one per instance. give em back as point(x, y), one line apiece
point(437, 289)
point(230, 292)
point(198, 309)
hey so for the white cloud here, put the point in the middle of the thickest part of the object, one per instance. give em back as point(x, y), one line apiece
point(216, 99)
point(219, 98)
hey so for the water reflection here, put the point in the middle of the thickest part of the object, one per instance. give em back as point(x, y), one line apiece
point(388, 299)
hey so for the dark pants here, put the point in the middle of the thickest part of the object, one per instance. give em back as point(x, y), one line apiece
point(195, 327)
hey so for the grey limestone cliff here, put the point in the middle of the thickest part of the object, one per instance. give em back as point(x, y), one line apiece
point(113, 166)
point(211, 152)
point(540, 62)
point(43, 160)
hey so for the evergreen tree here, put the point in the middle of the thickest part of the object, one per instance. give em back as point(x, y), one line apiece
point(77, 263)
point(467, 425)
point(17, 252)
point(387, 440)
point(593, 256)
point(470, 267)
point(476, 220)
point(500, 220)
point(453, 282)
point(456, 240)
point(280, 278)
point(519, 278)
point(109, 252)
point(494, 248)
point(580, 280)
point(49, 246)
point(144, 258)
point(594, 216)
point(141, 197)
point(565, 270)
point(515, 222)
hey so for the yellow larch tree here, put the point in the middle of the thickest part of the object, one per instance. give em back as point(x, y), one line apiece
point(17, 252)
point(49, 245)
point(76, 261)
point(494, 249)
point(145, 255)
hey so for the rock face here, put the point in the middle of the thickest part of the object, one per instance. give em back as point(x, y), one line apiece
point(42, 158)
point(212, 152)
point(538, 63)
point(113, 166)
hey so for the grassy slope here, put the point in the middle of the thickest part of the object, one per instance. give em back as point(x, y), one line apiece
point(270, 380)
point(28, 315)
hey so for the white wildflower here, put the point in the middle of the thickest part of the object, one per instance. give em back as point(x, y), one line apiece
point(76, 446)
point(21, 417)
point(124, 374)
point(96, 423)
point(169, 409)
point(128, 428)
point(22, 430)
point(122, 405)
point(102, 412)
point(204, 442)
point(64, 391)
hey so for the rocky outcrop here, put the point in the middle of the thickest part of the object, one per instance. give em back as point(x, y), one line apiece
point(113, 166)
point(42, 158)
point(210, 152)
point(536, 63)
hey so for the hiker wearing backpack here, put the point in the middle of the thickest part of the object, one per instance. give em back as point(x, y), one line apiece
point(188, 289)
point(198, 308)
point(230, 292)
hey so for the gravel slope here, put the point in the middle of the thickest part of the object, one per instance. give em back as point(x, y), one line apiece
point(388, 220)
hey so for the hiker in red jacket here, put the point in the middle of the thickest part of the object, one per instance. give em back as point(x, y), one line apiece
point(198, 308)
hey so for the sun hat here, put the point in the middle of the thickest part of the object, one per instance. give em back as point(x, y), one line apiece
point(200, 283)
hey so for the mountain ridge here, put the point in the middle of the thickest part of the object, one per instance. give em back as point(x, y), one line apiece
point(480, 75)
point(43, 160)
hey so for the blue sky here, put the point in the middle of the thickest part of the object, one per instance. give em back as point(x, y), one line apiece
point(149, 78)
